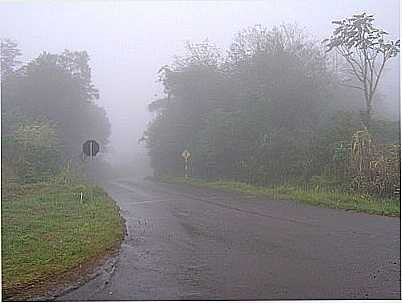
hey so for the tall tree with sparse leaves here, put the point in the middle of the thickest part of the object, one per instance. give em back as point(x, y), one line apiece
point(366, 52)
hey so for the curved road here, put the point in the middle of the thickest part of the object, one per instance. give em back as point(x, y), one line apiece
point(195, 244)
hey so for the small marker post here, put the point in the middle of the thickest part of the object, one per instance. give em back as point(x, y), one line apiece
point(186, 155)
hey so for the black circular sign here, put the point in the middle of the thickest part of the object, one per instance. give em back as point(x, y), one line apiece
point(90, 148)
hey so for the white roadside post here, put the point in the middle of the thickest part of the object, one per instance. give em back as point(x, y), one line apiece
point(186, 155)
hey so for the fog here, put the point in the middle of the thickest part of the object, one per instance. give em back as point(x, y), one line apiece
point(129, 41)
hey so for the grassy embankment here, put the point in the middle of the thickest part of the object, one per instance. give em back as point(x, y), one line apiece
point(48, 233)
point(309, 195)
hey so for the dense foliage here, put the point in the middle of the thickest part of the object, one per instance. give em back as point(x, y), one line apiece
point(48, 111)
point(269, 110)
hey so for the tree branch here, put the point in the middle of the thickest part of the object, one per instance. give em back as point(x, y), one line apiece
point(352, 86)
point(380, 71)
point(351, 64)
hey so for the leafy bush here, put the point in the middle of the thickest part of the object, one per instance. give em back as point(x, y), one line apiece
point(33, 153)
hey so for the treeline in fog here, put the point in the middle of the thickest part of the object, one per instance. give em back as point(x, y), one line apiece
point(48, 111)
point(271, 109)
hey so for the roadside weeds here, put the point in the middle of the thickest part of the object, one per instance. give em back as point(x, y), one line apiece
point(331, 199)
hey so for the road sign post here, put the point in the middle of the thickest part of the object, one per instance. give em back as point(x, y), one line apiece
point(90, 148)
point(186, 155)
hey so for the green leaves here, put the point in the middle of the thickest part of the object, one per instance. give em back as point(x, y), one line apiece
point(48, 107)
point(250, 115)
point(38, 133)
point(37, 153)
point(356, 32)
point(260, 114)
point(57, 88)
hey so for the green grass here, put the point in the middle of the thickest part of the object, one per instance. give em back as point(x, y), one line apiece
point(328, 198)
point(47, 232)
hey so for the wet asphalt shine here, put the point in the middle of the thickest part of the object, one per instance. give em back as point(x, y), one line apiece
point(187, 243)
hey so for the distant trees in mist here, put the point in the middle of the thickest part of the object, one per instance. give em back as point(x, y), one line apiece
point(48, 111)
point(270, 109)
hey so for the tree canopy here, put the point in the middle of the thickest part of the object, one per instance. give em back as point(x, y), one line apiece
point(267, 110)
point(52, 94)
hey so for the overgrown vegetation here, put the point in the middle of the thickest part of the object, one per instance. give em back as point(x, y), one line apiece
point(48, 111)
point(274, 110)
point(313, 193)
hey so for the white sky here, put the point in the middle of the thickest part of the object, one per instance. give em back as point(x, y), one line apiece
point(128, 41)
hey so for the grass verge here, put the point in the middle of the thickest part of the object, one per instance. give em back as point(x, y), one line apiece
point(331, 199)
point(47, 232)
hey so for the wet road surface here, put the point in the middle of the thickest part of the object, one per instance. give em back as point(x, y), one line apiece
point(187, 243)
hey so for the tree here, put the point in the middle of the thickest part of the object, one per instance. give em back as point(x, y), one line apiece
point(8, 53)
point(193, 86)
point(366, 52)
point(239, 114)
point(48, 110)
point(283, 67)
point(58, 88)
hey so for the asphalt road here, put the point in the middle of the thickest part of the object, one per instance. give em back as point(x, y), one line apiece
point(196, 244)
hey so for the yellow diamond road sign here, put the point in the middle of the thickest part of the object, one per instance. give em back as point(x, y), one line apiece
point(186, 154)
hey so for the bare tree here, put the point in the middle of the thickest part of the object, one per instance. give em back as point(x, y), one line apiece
point(366, 52)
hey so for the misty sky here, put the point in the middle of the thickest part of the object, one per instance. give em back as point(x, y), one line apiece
point(129, 41)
